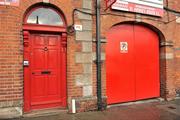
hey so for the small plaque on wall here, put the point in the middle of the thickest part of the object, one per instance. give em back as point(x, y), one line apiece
point(10, 2)
point(78, 27)
point(45, 1)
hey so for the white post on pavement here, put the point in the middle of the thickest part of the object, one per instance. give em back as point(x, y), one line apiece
point(73, 106)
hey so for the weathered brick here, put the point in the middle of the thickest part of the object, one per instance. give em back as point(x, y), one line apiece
point(84, 36)
point(84, 57)
point(87, 91)
point(87, 24)
point(87, 4)
point(84, 79)
point(86, 46)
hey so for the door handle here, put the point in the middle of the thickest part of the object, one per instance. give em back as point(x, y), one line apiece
point(46, 72)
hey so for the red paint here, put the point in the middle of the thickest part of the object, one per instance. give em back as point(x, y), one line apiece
point(147, 63)
point(109, 3)
point(132, 75)
point(45, 56)
point(26, 72)
point(45, 49)
point(45, 28)
point(46, 53)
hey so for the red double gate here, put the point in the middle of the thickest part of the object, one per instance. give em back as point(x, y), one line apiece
point(132, 64)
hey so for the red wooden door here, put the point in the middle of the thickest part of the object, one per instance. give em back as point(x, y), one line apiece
point(132, 70)
point(146, 63)
point(46, 83)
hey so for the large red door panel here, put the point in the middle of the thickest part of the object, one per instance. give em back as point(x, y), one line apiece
point(53, 65)
point(38, 92)
point(147, 63)
point(132, 74)
point(53, 85)
point(120, 69)
point(38, 81)
point(53, 41)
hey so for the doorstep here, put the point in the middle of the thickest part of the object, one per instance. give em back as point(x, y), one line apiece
point(10, 112)
point(45, 112)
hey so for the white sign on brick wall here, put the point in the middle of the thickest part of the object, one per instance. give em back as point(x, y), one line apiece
point(46, 1)
point(150, 7)
point(9, 2)
point(78, 27)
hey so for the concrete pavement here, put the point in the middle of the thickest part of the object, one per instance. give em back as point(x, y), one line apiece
point(135, 111)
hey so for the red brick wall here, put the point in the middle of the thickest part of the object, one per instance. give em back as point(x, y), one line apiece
point(11, 55)
point(11, 51)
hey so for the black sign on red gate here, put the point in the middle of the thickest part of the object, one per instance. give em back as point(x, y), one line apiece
point(109, 3)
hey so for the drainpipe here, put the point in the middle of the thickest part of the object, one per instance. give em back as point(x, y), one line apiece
point(98, 55)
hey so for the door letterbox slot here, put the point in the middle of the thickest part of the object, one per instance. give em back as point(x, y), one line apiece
point(46, 72)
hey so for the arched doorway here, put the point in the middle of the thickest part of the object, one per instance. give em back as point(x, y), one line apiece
point(45, 36)
point(132, 63)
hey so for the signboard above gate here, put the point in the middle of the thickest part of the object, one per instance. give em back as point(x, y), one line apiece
point(150, 7)
point(9, 2)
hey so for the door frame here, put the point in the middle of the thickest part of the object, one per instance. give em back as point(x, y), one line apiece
point(27, 29)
